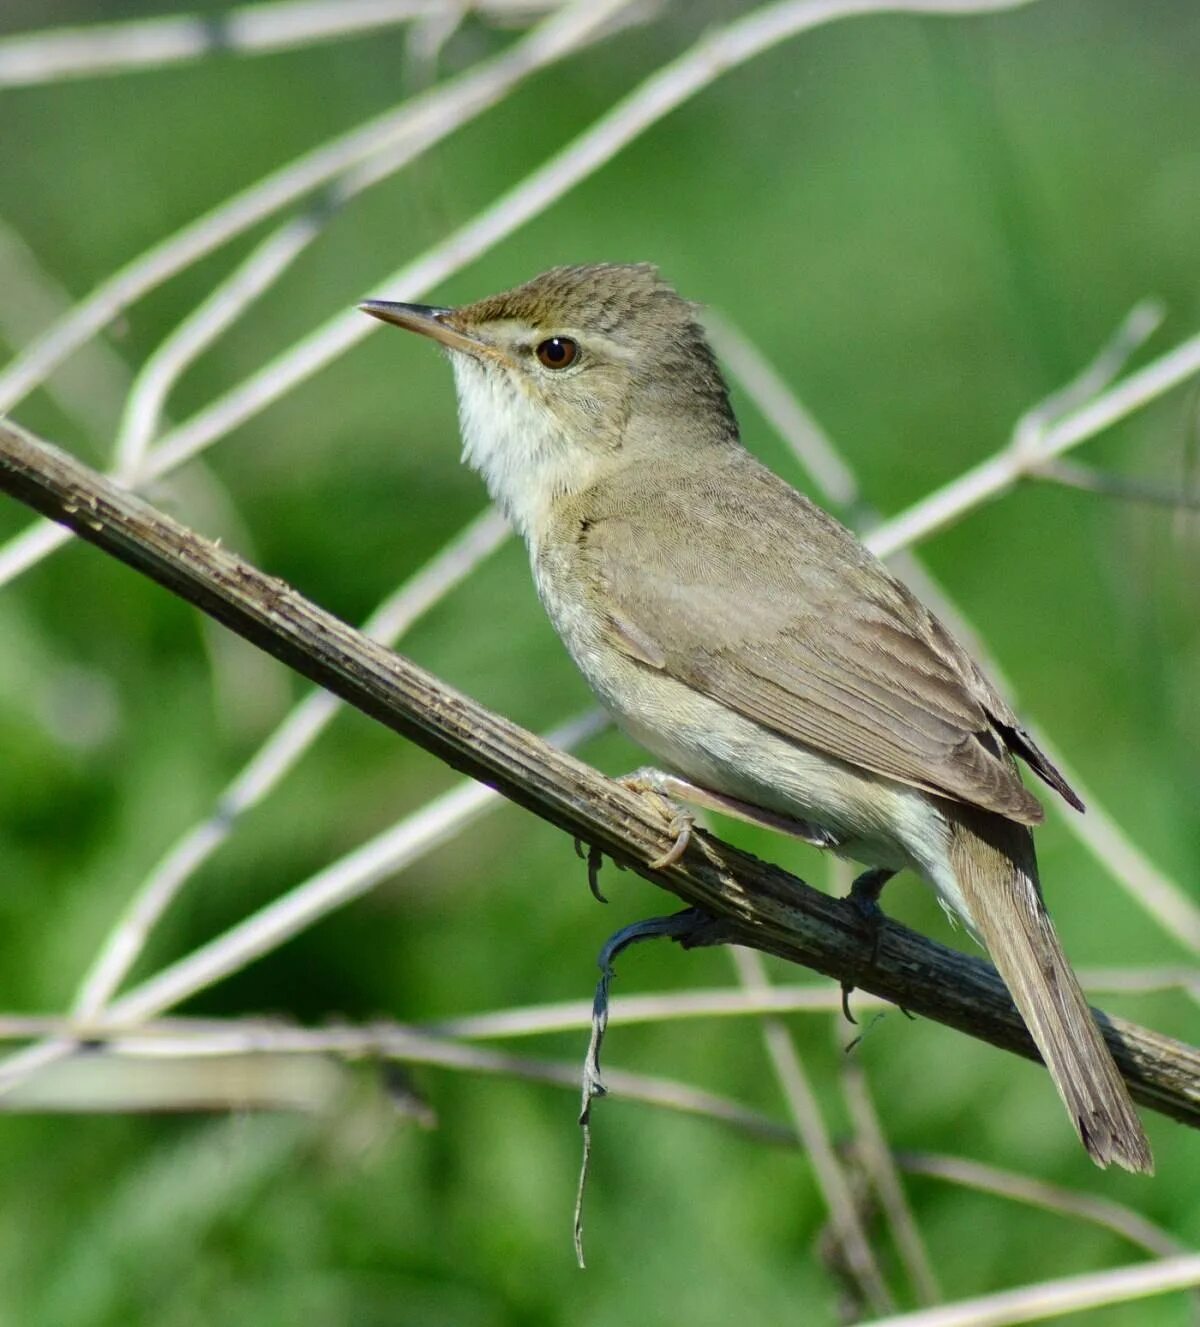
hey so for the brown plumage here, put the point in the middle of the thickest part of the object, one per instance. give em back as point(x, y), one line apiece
point(873, 679)
point(748, 640)
point(870, 677)
point(994, 862)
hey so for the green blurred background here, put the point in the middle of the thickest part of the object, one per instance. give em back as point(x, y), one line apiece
point(928, 224)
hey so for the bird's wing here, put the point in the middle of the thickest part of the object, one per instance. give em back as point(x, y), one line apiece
point(776, 611)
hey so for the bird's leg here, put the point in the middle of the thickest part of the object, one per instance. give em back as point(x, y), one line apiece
point(865, 892)
point(672, 789)
point(864, 897)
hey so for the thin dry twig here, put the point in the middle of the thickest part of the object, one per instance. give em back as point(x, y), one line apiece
point(1164, 899)
point(997, 475)
point(1118, 1218)
point(853, 1243)
point(350, 877)
point(361, 159)
point(811, 998)
point(760, 905)
point(426, 118)
point(1128, 488)
point(427, 40)
point(629, 1010)
point(30, 58)
point(346, 879)
point(214, 1039)
point(209, 1040)
point(91, 389)
point(102, 1083)
point(220, 1045)
point(181, 1043)
point(576, 1015)
point(871, 1146)
point(572, 1015)
point(144, 405)
point(1052, 1299)
point(1141, 981)
point(787, 415)
point(277, 756)
point(1109, 362)
point(279, 1043)
point(719, 51)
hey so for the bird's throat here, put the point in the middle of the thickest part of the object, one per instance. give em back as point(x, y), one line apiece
point(515, 444)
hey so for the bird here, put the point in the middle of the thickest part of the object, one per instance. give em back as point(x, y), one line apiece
point(747, 639)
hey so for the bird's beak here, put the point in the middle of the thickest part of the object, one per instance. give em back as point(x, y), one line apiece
point(425, 319)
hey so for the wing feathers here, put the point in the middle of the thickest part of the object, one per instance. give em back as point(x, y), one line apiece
point(765, 603)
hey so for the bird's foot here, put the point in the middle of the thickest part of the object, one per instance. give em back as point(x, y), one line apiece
point(864, 898)
point(864, 894)
point(657, 788)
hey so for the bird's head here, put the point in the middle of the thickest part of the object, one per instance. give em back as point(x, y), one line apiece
point(579, 371)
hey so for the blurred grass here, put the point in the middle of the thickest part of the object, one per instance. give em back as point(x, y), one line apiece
point(928, 225)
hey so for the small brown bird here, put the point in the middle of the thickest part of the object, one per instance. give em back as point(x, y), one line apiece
point(749, 641)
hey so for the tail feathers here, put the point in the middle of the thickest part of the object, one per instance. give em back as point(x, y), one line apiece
point(993, 861)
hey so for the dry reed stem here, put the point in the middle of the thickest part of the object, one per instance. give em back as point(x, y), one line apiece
point(763, 906)
point(46, 56)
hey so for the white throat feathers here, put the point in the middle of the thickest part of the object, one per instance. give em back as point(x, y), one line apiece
point(514, 442)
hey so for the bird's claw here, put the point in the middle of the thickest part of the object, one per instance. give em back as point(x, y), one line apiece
point(680, 823)
point(681, 827)
point(864, 899)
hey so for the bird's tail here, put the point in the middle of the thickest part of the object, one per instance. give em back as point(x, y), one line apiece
point(993, 860)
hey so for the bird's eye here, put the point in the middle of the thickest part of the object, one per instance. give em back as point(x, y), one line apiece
point(557, 352)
